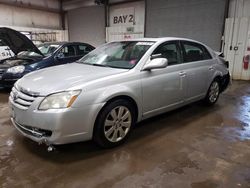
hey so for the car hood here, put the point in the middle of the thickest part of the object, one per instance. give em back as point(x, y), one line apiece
point(63, 77)
point(17, 41)
point(15, 61)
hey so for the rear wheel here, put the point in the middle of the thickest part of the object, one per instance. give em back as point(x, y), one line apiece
point(213, 93)
point(114, 123)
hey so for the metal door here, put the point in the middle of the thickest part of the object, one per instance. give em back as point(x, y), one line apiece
point(237, 45)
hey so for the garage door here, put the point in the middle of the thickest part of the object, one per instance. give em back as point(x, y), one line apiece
point(197, 19)
point(87, 25)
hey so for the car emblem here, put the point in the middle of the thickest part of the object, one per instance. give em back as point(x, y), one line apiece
point(23, 90)
point(28, 92)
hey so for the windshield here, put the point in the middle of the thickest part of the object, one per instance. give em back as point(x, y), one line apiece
point(123, 55)
point(46, 49)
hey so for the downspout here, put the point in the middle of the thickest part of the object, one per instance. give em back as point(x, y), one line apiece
point(145, 17)
point(106, 12)
point(62, 15)
point(235, 9)
point(226, 12)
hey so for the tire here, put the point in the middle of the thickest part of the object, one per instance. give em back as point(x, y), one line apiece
point(114, 123)
point(213, 93)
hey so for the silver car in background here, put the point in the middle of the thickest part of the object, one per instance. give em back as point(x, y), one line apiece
point(105, 93)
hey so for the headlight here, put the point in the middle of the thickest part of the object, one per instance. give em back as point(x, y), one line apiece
point(16, 69)
point(59, 100)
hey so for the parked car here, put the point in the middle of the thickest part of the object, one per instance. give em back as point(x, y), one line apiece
point(105, 93)
point(29, 57)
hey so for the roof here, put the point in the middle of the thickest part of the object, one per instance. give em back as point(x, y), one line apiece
point(160, 39)
point(56, 43)
point(163, 39)
point(62, 43)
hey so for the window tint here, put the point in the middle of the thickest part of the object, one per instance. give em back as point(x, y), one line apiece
point(68, 51)
point(170, 51)
point(195, 52)
point(84, 49)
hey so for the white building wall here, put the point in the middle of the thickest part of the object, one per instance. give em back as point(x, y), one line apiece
point(126, 21)
point(50, 4)
point(23, 16)
point(239, 8)
point(237, 39)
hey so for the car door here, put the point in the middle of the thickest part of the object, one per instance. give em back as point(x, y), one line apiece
point(198, 65)
point(164, 89)
point(67, 54)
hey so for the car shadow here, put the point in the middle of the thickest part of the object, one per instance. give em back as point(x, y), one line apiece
point(4, 95)
point(167, 122)
point(5, 90)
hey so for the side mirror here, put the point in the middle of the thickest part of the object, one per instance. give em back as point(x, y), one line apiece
point(60, 55)
point(157, 63)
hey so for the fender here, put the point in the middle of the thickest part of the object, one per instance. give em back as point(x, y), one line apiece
point(117, 91)
point(216, 74)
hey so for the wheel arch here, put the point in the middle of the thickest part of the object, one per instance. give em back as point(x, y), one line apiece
point(124, 97)
point(114, 98)
point(219, 78)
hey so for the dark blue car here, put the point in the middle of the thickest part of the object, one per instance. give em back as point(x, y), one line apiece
point(29, 57)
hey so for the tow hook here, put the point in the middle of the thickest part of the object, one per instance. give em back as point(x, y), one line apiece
point(50, 147)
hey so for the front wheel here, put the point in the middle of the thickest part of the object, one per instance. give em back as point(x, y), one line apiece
point(114, 123)
point(213, 93)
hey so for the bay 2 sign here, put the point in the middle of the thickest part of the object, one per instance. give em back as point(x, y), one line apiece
point(123, 16)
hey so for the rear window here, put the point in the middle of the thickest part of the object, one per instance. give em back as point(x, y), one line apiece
point(195, 52)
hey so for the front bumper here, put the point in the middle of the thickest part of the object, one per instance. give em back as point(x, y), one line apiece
point(7, 83)
point(8, 80)
point(55, 126)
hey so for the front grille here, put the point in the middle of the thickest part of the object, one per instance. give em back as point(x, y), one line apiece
point(33, 131)
point(22, 99)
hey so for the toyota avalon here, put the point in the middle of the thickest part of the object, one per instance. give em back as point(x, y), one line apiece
point(103, 95)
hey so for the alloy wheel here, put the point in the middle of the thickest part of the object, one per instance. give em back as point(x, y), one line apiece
point(214, 92)
point(117, 124)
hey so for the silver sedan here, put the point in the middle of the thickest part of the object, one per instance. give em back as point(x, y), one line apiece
point(104, 94)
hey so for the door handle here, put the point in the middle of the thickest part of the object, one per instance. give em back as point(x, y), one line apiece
point(182, 74)
point(211, 68)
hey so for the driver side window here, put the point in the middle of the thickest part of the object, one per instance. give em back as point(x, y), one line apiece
point(170, 51)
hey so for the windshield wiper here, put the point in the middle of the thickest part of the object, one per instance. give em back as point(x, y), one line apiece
point(99, 65)
point(93, 64)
